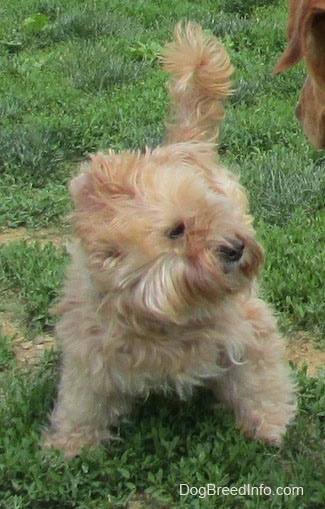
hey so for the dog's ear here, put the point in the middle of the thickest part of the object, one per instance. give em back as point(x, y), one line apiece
point(315, 56)
point(303, 17)
point(81, 190)
point(94, 187)
point(294, 50)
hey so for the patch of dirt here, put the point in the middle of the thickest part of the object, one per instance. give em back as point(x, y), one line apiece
point(144, 502)
point(31, 352)
point(301, 351)
point(27, 352)
point(43, 236)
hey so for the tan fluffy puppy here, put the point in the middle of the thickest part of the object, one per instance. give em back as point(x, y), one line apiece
point(160, 293)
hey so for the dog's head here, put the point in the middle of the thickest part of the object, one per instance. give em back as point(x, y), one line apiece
point(161, 235)
point(306, 40)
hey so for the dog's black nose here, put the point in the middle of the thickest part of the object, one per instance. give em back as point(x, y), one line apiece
point(233, 251)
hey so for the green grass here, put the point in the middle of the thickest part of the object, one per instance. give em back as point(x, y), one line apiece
point(165, 444)
point(32, 273)
point(80, 76)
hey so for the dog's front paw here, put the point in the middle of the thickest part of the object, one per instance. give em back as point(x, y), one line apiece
point(73, 442)
point(270, 433)
point(269, 428)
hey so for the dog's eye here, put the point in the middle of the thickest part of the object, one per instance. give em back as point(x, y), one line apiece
point(177, 232)
point(111, 253)
point(111, 259)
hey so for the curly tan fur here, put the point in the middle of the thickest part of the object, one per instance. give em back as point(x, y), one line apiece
point(201, 71)
point(161, 290)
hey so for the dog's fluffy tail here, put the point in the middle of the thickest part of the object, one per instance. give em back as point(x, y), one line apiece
point(201, 70)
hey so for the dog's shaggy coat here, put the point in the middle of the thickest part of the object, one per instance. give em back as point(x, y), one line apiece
point(160, 293)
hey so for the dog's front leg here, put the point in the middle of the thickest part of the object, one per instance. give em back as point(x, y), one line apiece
point(83, 412)
point(259, 389)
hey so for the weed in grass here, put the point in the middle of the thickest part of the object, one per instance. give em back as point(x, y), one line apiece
point(87, 24)
point(109, 68)
point(244, 7)
point(279, 187)
point(32, 151)
point(35, 24)
point(10, 108)
point(24, 205)
point(34, 273)
point(51, 24)
point(294, 270)
point(6, 354)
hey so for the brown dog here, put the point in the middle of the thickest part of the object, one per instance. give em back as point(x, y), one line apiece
point(306, 40)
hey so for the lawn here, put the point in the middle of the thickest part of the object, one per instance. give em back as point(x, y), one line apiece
point(79, 76)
